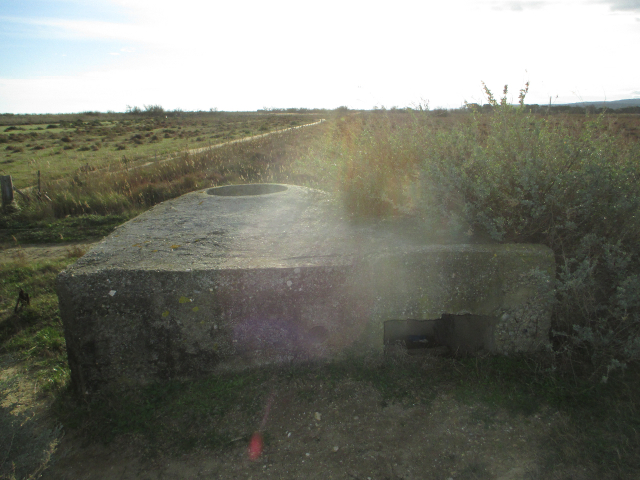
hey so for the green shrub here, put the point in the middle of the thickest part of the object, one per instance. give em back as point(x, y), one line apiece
point(525, 180)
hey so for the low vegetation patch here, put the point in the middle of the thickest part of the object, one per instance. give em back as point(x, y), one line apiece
point(33, 331)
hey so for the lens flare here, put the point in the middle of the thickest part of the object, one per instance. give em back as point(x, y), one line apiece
point(255, 446)
point(256, 443)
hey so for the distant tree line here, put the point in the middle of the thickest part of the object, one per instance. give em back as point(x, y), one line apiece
point(301, 110)
point(158, 110)
point(149, 110)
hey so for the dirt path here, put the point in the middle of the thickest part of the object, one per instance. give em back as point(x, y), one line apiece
point(193, 151)
point(248, 139)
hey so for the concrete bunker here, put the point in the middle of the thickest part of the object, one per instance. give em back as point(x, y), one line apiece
point(248, 275)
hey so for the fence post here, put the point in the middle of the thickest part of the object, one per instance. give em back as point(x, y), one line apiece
point(7, 190)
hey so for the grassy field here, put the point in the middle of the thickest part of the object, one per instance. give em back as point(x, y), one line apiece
point(87, 199)
point(567, 181)
point(79, 144)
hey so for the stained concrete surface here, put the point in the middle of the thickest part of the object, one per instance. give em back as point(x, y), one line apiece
point(239, 276)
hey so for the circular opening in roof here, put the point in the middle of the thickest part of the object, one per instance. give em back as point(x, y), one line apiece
point(246, 190)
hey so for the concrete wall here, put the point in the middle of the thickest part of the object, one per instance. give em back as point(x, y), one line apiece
point(513, 284)
point(135, 326)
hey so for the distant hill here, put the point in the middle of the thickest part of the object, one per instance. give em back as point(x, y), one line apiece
point(615, 104)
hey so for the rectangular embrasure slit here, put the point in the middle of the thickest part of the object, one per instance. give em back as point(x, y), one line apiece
point(417, 336)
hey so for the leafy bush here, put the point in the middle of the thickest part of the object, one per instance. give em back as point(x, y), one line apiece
point(133, 110)
point(523, 179)
point(153, 110)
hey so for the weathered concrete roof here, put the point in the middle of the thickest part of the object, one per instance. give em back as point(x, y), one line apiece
point(252, 226)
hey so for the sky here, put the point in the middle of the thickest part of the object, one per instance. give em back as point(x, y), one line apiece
point(62, 56)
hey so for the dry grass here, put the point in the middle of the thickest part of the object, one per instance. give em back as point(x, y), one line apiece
point(266, 159)
point(75, 251)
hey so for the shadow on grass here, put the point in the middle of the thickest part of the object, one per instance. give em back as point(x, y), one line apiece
point(596, 426)
point(26, 445)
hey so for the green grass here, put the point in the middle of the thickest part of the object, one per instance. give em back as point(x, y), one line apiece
point(32, 340)
point(35, 333)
